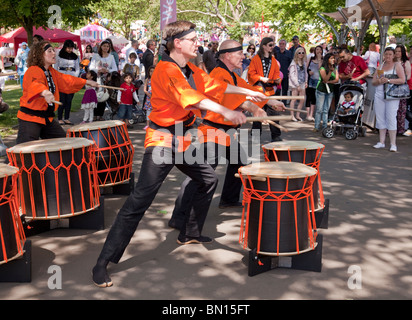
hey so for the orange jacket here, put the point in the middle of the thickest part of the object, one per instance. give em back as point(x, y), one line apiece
point(35, 82)
point(256, 71)
point(173, 99)
point(230, 101)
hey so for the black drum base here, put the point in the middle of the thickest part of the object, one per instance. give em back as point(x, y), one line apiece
point(308, 261)
point(91, 220)
point(322, 216)
point(18, 270)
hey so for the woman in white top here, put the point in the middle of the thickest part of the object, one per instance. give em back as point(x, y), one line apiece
point(298, 79)
point(102, 63)
point(372, 57)
point(385, 110)
point(67, 62)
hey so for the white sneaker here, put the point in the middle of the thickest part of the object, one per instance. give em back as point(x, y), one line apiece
point(408, 133)
point(393, 148)
point(379, 145)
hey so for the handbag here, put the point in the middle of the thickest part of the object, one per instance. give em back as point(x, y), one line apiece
point(102, 95)
point(395, 91)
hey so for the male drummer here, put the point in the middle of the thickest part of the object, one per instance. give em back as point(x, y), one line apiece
point(179, 89)
point(218, 133)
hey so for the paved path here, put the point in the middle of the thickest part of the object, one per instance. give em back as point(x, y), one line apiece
point(370, 227)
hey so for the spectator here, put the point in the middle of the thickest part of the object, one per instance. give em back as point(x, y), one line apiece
point(250, 53)
point(134, 48)
point(88, 52)
point(352, 68)
point(329, 76)
point(131, 66)
point(392, 42)
point(385, 110)
point(295, 41)
point(298, 80)
point(209, 57)
point(402, 58)
point(125, 99)
point(372, 58)
point(113, 52)
point(284, 57)
point(149, 55)
point(67, 63)
point(314, 65)
point(408, 132)
point(21, 61)
point(37, 38)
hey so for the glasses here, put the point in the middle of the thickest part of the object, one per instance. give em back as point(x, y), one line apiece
point(270, 45)
point(301, 52)
point(194, 40)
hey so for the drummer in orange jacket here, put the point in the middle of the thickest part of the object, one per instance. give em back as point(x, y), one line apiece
point(41, 86)
point(216, 129)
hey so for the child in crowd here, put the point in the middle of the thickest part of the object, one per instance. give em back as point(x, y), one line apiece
point(89, 101)
point(348, 105)
point(125, 98)
point(148, 92)
point(131, 67)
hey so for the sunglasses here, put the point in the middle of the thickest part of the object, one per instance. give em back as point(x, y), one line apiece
point(270, 45)
point(301, 52)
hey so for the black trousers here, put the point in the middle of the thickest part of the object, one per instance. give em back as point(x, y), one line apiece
point(152, 174)
point(232, 186)
point(30, 131)
point(65, 108)
point(274, 131)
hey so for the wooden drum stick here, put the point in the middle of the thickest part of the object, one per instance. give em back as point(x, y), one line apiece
point(110, 87)
point(286, 98)
point(274, 118)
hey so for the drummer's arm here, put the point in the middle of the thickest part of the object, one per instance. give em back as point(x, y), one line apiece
point(253, 108)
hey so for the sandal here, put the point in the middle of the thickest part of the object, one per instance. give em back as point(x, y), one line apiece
point(68, 122)
point(61, 122)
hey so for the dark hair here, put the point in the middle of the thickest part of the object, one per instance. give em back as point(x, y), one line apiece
point(404, 57)
point(148, 71)
point(344, 49)
point(89, 46)
point(93, 74)
point(132, 54)
point(325, 62)
point(348, 93)
point(38, 37)
point(264, 42)
point(67, 44)
point(127, 74)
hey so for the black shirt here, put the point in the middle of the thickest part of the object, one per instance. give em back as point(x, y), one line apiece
point(284, 58)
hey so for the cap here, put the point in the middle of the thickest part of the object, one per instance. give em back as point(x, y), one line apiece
point(295, 37)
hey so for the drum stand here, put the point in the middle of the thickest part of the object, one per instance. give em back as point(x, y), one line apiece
point(19, 269)
point(91, 220)
point(322, 216)
point(308, 261)
point(125, 188)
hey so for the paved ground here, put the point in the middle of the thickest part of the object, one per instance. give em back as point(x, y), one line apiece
point(369, 231)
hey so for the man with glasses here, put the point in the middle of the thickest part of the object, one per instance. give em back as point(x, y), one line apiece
point(352, 68)
point(180, 91)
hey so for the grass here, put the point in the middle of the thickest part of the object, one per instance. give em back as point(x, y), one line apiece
point(11, 95)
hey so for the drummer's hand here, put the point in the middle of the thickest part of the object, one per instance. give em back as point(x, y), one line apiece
point(264, 79)
point(48, 96)
point(92, 83)
point(256, 96)
point(276, 105)
point(236, 117)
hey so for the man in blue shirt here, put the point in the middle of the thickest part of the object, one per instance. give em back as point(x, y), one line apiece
point(284, 57)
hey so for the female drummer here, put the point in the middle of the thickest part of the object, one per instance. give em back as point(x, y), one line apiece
point(42, 86)
point(179, 89)
point(264, 72)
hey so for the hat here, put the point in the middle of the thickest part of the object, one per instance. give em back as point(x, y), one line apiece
point(24, 44)
point(295, 37)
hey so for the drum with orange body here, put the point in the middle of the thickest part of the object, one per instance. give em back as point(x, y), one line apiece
point(57, 177)
point(12, 236)
point(276, 218)
point(114, 150)
point(306, 152)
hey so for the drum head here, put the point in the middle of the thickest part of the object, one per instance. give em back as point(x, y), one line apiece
point(50, 145)
point(293, 145)
point(6, 170)
point(95, 125)
point(278, 170)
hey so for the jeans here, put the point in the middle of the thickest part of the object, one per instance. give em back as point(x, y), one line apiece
point(125, 111)
point(323, 101)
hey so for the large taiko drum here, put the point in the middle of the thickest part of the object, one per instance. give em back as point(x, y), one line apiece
point(306, 152)
point(57, 177)
point(12, 236)
point(114, 150)
point(276, 218)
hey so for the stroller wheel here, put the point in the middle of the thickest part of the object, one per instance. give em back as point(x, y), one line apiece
point(131, 121)
point(328, 132)
point(351, 134)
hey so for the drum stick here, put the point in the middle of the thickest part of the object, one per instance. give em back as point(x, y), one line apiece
point(57, 102)
point(110, 87)
point(8, 74)
point(274, 118)
point(277, 125)
point(296, 110)
point(252, 177)
point(286, 98)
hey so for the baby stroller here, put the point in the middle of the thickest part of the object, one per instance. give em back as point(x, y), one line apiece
point(112, 106)
point(348, 124)
point(138, 113)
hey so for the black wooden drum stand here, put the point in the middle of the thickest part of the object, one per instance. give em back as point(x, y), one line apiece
point(18, 270)
point(322, 216)
point(308, 261)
